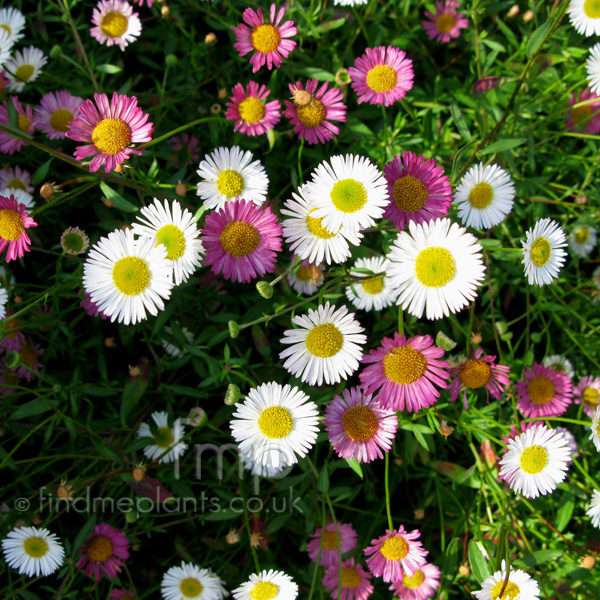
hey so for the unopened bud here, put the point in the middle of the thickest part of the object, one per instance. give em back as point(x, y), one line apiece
point(171, 60)
point(36, 520)
point(63, 492)
point(445, 429)
point(134, 371)
point(398, 462)
point(342, 78)
point(514, 11)
point(419, 514)
point(109, 342)
point(165, 11)
point(210, 38)
point(13, 359)
point(476, 338)
point(234, 329)
point(528, 15)
point(265, 289)
point(47, 191)
point(222, 93)
point(138, 474)
point(56, 51)
point(197, 417)
point(233, 394)
point(181, 189)
point(464, 569)
point(131, 517)
point(588, 561)
point(215, 108)
point(18, 300)
point(314, 273)
point(443, 341)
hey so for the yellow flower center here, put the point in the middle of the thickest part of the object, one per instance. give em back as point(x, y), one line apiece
point(511, 591)
point(324, 340)
point(315, 226)
point(533, 459)
point(415, 581)
point(59, 119)
point(360, 423)
point(435, 267)
point(172, 238)
point(100, 548)
point(445, 23)
point(581, 235)
point(404, 365)
point(131, 275)
point(239, 239)
point(265, 38)
point(23, 123)
point(36, 547)
point(410, 193)
point(264, 590)
point(16, 184)
point(540, 390)
point(382, 78)
point(475, 374)
point(592, 9)
point(348, 195)
point(481, 195)
point(311, 115)
point(373, 285)
point(28, 355)
point(230, 183)
point(163, 437)
point(581, 115)
point(395, 548)
point(11, 225)
point(111, 136)
point(591, 396)
point(190, 587)
point(275, 422)
point(113, 24)
point(540, 252)
point(330, 540)
point(252, 110)
point(6, 27)
point(24, 72)
point(350, 578)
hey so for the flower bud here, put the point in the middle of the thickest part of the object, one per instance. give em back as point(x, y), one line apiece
point(265, 289)
point(588, 561)
point(233, 394)
point(47, 190)
point(234, 329)
point(210, 38)
point(55, 51)
point(171, 60)
point(443, 341)
point(13, 359)
point(165, 11)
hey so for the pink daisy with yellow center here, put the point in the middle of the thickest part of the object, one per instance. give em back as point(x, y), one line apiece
point(104, 552)
point(406, 371)
point(355, 581)
point(16, 178)
point(337, 535)
point(54, 113)
point(25, 123)
point(587, 393)
point(268, 41)
point(115, 23)
point(445, 23)
point(544, 392)
point(420, 586)
point(586, 117)
point(14, 220)
point(252, 115)
point(109, 128)
point(382, 75)
point(396, 553)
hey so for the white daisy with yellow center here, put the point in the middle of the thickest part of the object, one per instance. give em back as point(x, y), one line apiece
point(585, 16)
point(592, 66)
point(24, 67)
point(164, 437)
point(190, 582)
point(370, 288)
point(13, 22)
point(484, 196)
point(33, 551)
point(267, 585)
point(543, 254)
point(257, 468)
point(436, 267)
point(6, 45)
point(325, 346)
point(593, 510)
point(536, 461)
point(520, 586)
point(21, 196)
point(560, 363)
point(595, 433)
point(228, 174)
point(128, 278)
point(582, 240)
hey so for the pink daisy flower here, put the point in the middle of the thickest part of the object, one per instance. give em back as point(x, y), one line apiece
point(241, 241)
point(54, 113)
point(312, 111)
point(90, 307)
point(406, 372)
point(109, 129)
point(420, 586)
point(330, 554)
point(419, 190)
point(267, 41)
point(544, 392)
point(445, 23)
point(15, 178)
point(585, 118)
point(247, 108)
point(115, 23)
point(396, 553)
point(587, 393)
point(12, 340)
point(190, 146)
point(104, 552)
point(382, 75)
point(356, 583)
point(479, 371)
point(25, 123)
point(30, 356)
point(14, 220)
point(358, 426)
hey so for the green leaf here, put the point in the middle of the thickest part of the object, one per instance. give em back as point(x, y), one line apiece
point(110, 69)
point(84, 533)
point(459, 121)
point(316, 73)
point(34, 407)
point(537, 38)
point(116, 198)
point(41, 172)
point(502, 145)
point(451, 559)
point(355, 466)
point(539, 557)
point(329, 25)
point(564, 512)
point(478, 563)
point(323, 482)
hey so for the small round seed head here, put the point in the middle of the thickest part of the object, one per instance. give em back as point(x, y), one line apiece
point(445, 429)
point(233, 537)
point(165, 11)
point(181, 189)
point(138, 473)
point(210, 38)
point(222, 93)
point(464, 569)
point(48, 190)
point(109, 342)
point(588, 561)
point(74, 241)
point(216, 108)
point(301, 97)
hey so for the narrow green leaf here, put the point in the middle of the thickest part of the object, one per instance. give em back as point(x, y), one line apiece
point(116, 198)
point(502, 145)
point(459, 121)
point(355, 466)
point(537, 37)
point(478, 563)
point(110, 69)
point(323, 482)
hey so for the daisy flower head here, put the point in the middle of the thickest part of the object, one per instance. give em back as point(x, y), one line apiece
point(241, 241)
point(324, 346)
point(520, 586)
point(6, 44)
point(396, 553)
point(21, 196)
point(543, 254)
point(593, 69)
point(13, 22)
point(560, 363)
point(25, 123)
point(33, 551)
point(382, 75)
point(115, 23)
point(445, 23)
point(359, 427)
point(418, 188)
point(23, 67)
point(585, 16)
point(104, 552)
point(312, 110)
point(582, 240)
point(109, 128)
point(406, 371)
point(584, 117)
point(336, 537)
point(274, 585)
point(185, 147)
point(593, 511)
point(543, 392)
point(595, 434)
point(535, 462)
point(257, 468)
point(164, 436)
point(16, 178)
point(307, 278)
point(587, 393)
point(269, 41)
point(14, 221)
point(437, 268)
point(421, 586)
point(229, 174)
point(74, 241)
point(371, 292)
point(355, 581)
point(247, 107)
point(29, 353)
point(275, 424)
point(55, 112)
point(190, 581)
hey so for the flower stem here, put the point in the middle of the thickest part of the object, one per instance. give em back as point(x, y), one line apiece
point(387, 492)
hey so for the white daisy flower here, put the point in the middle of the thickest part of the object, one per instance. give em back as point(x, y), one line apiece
point(306, 279)
point(543, 255)
point(6, 44)
point(3, 301)
point(349, 192)
point(164, 437)
point(484, 196)
point(520, 586)
point(560, 363)
point(593, 511)
point(371, 292)
point(274, 424)
point(585, 16)
point(115, 23)
point(593, 69)
point(13, 22)
point(127, 278)
point(582, 240)
point(325, 346)
point(349, 2)
point(24, 66)
point(437, 268)
point(228, 174)
point(595, 435)
point(267, 585)
point(535, 461)
point(257, 468)
point(21, 196)
point(175, 228)
point(191, 582)
point(174, 350)
point(33, 551)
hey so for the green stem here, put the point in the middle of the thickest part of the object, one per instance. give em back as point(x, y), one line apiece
point(177, 130)
point(388, 506)
point(400, 320)
point(300, 148)
point(247, 521)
